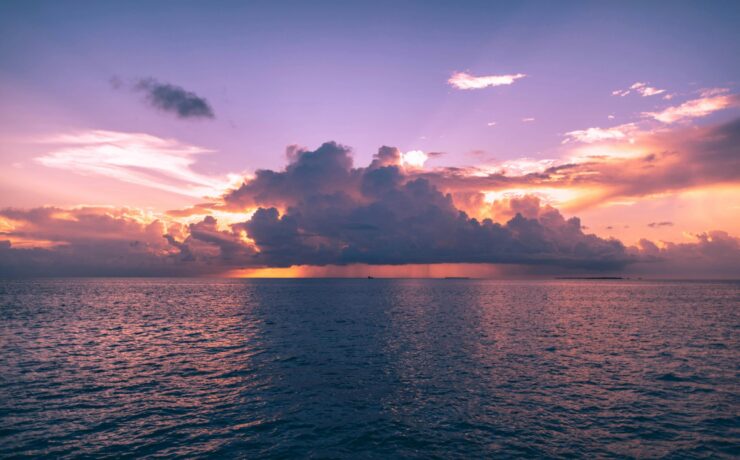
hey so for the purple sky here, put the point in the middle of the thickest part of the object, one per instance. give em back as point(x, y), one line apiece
point(364, 74)
point(257, 77)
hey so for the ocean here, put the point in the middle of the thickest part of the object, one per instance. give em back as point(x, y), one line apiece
point(369, 368)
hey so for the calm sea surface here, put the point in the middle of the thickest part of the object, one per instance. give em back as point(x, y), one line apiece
point(369, 368)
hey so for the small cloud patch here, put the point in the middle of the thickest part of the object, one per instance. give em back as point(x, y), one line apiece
point(463, 80)
point(174, 99)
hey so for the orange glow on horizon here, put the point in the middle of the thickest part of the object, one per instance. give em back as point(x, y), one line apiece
point(377, 271)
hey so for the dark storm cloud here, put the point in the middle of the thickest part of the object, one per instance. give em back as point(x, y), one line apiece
point(333, 213)
point(324, 171)
point(173, 99)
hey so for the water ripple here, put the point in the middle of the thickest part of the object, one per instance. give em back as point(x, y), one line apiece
point(369, 368)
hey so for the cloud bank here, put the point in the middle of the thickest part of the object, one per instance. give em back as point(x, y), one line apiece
point(607, 167)
point(714, 254)
point(87, 241)
point(321, 210)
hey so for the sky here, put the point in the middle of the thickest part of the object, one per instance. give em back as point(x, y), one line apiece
point(428, 138)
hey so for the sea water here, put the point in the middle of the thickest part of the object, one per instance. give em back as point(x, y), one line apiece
point(369, 368)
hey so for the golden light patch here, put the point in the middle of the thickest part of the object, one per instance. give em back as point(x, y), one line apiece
point(284, 272)
point(443, 270)
point(606, 152)
point(224, 219)
point(547, 195)
point(29, 243)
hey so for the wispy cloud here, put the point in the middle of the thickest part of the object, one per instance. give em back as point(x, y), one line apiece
point(528, 119)
point(660, 224)
point(520, 167)
point(639, 88)
point(710, 101)
point(136, 158)
point(658, 161)
point(463, 80)
point(591, 135)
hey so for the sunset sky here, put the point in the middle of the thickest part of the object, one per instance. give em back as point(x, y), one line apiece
point(386, 138)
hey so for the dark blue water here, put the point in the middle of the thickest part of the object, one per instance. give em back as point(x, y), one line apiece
point(369, 368)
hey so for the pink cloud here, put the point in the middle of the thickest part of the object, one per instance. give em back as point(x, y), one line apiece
point(591, 135)
point(710, 101)
point(136, 158)
point(639, 88)
point(463, 80)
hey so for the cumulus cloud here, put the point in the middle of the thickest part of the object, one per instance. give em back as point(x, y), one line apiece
point(321, 210)
point(463, 80)
point(710, 101)
point(171, 98)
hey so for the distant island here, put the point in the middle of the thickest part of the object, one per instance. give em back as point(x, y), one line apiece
point(590, 278)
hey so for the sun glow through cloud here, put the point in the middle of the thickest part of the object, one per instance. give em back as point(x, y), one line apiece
point(414, 159)
point(547, 195)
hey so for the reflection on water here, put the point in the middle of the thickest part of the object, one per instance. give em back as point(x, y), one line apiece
point(407, 368)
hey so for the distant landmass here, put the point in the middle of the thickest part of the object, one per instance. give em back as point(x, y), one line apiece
point(590, 278)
